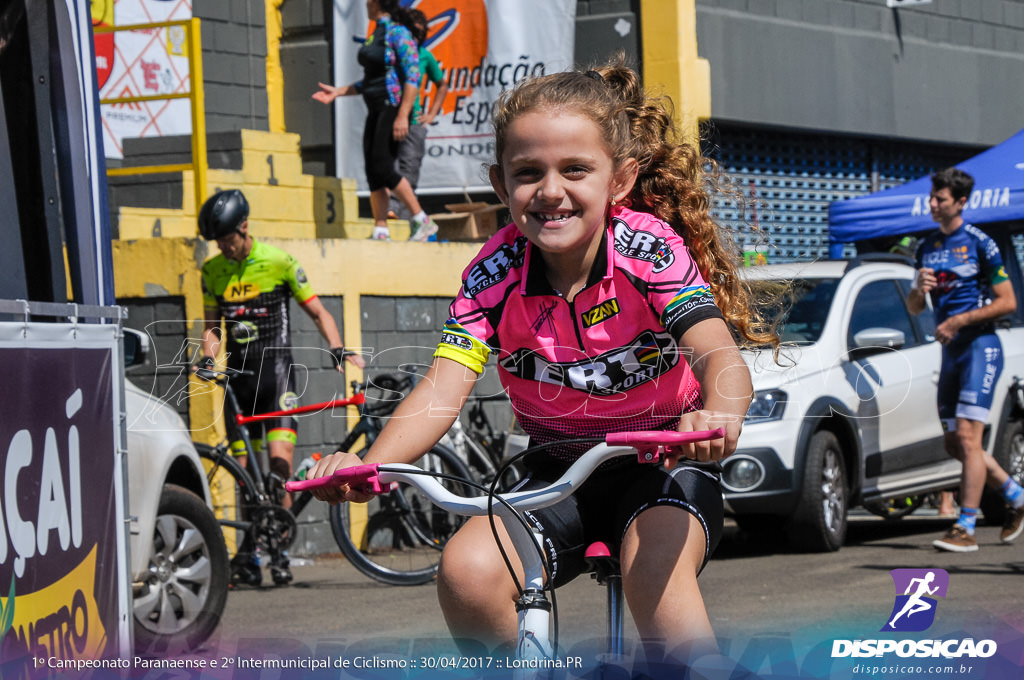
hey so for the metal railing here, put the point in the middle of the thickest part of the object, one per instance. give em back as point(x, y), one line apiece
point(199, 163)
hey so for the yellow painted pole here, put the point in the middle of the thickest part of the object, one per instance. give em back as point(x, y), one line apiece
point(671, 62)
point(199, 160)
point(275, 75)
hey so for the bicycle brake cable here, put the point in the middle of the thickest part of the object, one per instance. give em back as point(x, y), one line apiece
point(492, 494)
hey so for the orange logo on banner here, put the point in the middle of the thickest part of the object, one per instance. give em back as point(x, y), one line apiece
point(457, 37)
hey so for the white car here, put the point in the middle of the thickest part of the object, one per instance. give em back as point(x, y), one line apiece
point(849, 417)
point(179, 562)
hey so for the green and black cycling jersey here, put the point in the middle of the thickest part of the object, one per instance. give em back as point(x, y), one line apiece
point(252, 297)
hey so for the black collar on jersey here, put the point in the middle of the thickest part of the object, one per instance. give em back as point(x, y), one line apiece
point(537, 281)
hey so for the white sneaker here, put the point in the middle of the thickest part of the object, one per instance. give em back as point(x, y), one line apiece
point(381, 234)
point(422, 230)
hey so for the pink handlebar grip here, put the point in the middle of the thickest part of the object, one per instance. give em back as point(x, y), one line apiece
point(648, 444)
point(359, 477)
point(666, 438)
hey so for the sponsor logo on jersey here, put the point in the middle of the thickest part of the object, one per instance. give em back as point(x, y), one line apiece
point(459, 341)
point(643, 245)
point(241, 291)
point(601, 312)
point(689, 297)
point(300, 276)
point(649, 353)
point(686, 300)
point(644, 359)
point(495, 267)
point(244, 332)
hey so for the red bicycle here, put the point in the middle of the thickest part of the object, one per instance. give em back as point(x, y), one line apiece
point(397, 541)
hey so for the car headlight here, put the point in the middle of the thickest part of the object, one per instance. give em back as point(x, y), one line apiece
point(766, 406)
point(742, 473)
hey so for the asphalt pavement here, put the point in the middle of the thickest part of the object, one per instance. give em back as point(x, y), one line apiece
point(776, 612)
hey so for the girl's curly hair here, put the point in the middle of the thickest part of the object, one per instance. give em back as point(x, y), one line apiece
point(674, 177)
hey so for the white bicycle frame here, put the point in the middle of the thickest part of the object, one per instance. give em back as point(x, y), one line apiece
point(534, 610)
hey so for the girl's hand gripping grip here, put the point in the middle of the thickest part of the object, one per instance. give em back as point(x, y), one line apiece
point(649, 444)
point(359, 477)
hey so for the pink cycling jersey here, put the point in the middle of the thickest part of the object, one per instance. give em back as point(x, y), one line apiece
point(608, 361)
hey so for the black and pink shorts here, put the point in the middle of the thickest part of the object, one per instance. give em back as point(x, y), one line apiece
point(612, 498)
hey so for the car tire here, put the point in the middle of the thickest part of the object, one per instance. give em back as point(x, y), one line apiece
point(179, 603)
point(1010, 455)
point(819, 524)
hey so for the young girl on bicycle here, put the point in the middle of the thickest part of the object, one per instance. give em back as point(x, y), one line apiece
point(609, 302)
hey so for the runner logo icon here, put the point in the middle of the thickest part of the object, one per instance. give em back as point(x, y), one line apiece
point(915, 605)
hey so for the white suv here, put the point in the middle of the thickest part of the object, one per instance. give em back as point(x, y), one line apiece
point(179, 563)
point(849, 417)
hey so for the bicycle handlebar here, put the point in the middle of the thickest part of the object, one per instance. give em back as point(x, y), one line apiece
point(379, 478)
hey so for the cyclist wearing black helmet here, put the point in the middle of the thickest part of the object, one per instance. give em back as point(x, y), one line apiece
point(247, 286)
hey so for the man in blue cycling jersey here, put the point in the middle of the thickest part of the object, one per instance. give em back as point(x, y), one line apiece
point(961, 270)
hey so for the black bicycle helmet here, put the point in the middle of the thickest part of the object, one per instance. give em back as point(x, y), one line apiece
point(222, 214)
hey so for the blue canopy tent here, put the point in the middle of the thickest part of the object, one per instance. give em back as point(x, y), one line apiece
point(998, 196)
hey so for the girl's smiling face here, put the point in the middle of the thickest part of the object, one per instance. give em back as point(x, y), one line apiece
point(557, 177)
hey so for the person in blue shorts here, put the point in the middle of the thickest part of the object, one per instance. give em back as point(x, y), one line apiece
point(961, 270)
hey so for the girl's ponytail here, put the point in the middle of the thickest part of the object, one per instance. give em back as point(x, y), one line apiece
point(673, 184)
point(674, 178)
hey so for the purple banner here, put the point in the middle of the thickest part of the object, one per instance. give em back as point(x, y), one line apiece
point(58, 540)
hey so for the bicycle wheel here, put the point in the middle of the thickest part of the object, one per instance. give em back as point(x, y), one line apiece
point(267, 526)
point(397, 537)
point(225, 476)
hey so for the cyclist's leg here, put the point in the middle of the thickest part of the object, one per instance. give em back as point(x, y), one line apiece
point(661, 554)
point(278, 394)
point(245, 389)
point(476, 591)
point(474, 587)
point(281, 446)
point(673, 521)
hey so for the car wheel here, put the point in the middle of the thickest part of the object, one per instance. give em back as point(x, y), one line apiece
point(1010, 456)
point(819, 524)
point(182, 595)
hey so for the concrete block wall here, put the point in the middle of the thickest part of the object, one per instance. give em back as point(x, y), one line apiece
point(284, 202)
point(305, 61)
point(604, 27)
point(162, 319)
point(401, 330)
point(952, 70)
point(234, 63)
